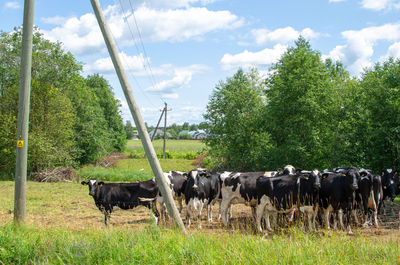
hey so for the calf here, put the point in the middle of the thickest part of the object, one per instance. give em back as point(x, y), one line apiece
point(124, 195)
point(238, 188)
point(337, 194)
point(369, 195)
point(390, 183)
point(201, 188)
point(177, 182)
point(285, 193)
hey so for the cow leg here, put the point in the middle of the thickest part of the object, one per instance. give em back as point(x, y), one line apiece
point(180, 204)
point(315, 213)
point(224, 209)
point(340, 215)
point(260, 212)
point(209, 213)
point(187, 216)
point(326, 217)
point(254, 213)
point(348, 217)
point(155, 212)
point(376, 218)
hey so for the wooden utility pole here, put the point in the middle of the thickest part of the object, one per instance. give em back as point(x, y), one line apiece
point(23, 114)
point(144, 136)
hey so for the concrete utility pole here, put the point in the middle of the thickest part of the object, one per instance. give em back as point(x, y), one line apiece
point(23, 114)
point(144, 136)
point(165, 128)
point(158, 123)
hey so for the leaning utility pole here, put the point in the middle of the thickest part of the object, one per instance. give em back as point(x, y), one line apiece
point(23, 114)
point(158, 123)
point(144, 136)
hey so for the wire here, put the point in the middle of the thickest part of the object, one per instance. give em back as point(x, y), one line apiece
point(145, 59)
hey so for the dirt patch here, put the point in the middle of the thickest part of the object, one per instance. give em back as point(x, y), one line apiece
point(66, 174)
point(111, 160)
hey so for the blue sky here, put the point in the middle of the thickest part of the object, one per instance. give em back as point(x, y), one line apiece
point(188, 46)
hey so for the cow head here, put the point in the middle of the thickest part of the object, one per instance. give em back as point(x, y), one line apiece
point(94, 185)
point(352, 176)
point(194, 183)
point(390, 182)
point(313, 176)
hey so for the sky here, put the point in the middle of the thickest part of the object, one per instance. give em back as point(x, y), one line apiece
point(178, 51)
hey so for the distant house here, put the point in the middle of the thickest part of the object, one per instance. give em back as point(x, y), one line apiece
point(199, 134)
point(135, 135)
point(159, 132)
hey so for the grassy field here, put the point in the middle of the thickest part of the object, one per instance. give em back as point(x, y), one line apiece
point(181, 157)
point(63, 226)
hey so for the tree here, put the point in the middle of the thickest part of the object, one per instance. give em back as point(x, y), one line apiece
point(381, 88)
point(299, 91)
point(236, 137)
point(73, 119)
point(129, 130)
point(111, 111)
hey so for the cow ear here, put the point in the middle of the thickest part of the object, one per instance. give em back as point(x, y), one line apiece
point(396, 172)
point(101, 183)
point(383, 172)
point(85, 182)
point(185, 174)
point(298, 170)
point(324, 175)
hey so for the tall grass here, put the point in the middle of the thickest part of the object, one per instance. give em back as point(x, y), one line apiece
point(29, 245)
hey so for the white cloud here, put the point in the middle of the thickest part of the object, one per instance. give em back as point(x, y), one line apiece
point(12, 5)
point(248, 59)
point(393, 51)
point(378, 5)
point(281, 35)
point(359, 47)
point(183, 24)
point(81, 35)
point(166, 87)
point(130, 63)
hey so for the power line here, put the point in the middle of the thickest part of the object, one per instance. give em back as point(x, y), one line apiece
point(145, 60)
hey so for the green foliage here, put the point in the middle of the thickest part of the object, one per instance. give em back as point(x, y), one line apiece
point(110, 107)
point(234, 122)
point(312, 114)
point(72, 119)
point(129, 130)
point(381, 89)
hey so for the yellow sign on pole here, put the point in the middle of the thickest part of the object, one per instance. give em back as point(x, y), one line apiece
point(20, 143)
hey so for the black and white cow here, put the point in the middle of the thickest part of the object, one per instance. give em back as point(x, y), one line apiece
point(287, 193)
point(337, 194)
point(124, 195)
point(369, 195)
point(176, 180)
point(237, 187)
point(390, 183)
point(201, 189)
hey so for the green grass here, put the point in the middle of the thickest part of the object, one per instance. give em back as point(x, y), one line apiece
point(27, 245)
point(133, 169)
point(175, 149)
point(64, 227)
point(181, 154)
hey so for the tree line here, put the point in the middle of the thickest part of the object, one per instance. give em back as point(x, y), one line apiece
point(73, 119)
point(307, 112)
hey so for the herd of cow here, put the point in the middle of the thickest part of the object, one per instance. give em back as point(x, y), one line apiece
point(341, 194)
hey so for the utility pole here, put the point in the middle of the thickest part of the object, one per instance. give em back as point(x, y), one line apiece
point(144, 136)
point(158, 123)
point(165, 128)
point(23, 114)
